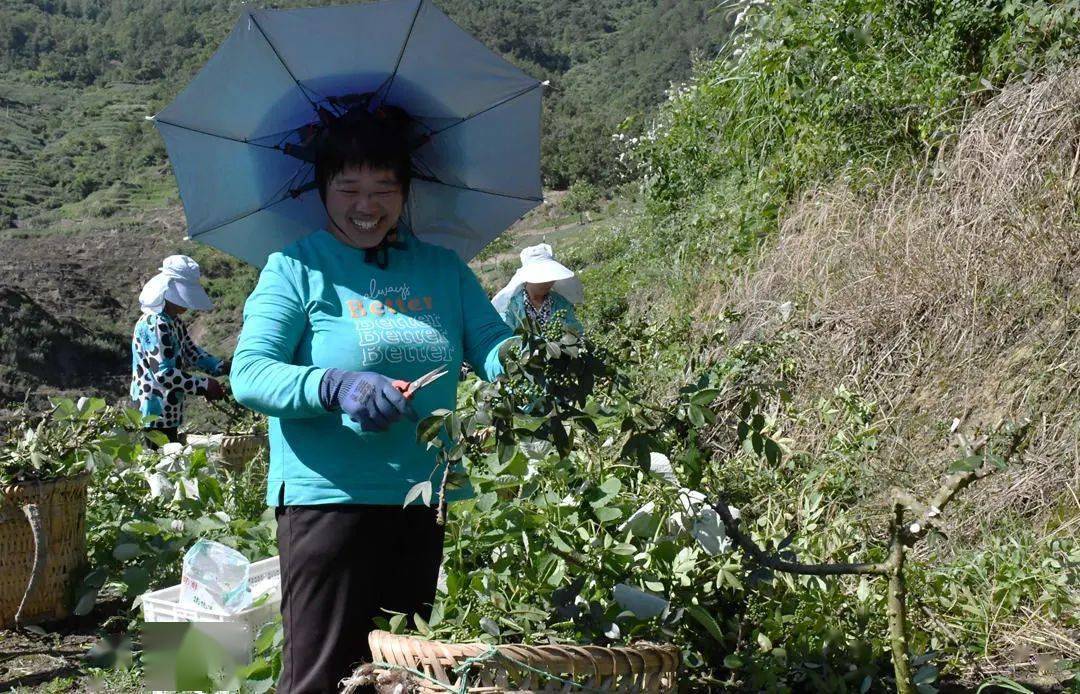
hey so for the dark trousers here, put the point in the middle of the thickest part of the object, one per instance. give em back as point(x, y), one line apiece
point(341, 566)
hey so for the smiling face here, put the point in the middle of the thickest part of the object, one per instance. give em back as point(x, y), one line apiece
point(363, 204)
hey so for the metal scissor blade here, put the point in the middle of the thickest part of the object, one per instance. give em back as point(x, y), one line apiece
point(427, 378)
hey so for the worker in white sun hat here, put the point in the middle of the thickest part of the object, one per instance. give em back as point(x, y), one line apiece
point(163, 355)
point(542, 289)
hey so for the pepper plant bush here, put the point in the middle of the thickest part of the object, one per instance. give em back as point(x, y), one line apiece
point(588, 524)
point(593, 521)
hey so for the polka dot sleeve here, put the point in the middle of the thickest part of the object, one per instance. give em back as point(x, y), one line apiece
point(193, 356)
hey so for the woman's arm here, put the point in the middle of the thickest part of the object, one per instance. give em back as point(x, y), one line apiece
point(263, 376)
point(513, 313)
point(484, 331)
point(196, 357)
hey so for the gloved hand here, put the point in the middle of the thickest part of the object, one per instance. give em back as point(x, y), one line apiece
point(214, 390)
point(370, 399)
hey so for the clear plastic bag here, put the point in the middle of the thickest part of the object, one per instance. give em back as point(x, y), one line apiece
point(215, 578)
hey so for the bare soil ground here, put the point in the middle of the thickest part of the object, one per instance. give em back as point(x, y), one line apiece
point(57, 659)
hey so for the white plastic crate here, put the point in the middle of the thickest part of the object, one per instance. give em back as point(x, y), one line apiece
point(164, 605)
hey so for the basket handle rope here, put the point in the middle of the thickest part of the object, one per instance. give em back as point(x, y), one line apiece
point(41, 556)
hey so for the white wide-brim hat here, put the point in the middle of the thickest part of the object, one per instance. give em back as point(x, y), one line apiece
point(178, 283)
point(538, 266)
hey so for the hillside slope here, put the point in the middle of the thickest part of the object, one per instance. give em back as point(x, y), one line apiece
point(944, 303)
point(81, 168)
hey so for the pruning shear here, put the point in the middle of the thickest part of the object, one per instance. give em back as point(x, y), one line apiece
point(409, 388)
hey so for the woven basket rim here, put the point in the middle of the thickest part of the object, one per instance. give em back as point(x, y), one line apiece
point(534, 654)
point(80, 479)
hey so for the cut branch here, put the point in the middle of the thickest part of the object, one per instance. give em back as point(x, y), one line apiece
point(926, 514)
point(774, 562)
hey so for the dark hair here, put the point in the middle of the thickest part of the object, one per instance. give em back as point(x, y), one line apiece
point(378, 140)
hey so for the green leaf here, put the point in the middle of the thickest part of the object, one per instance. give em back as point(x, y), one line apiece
point(156, 437)
point(210, 490)
point(90, 406)
point(436, 615)
point(972, 462)
point(419, 490)
point(265, 639)
point(137, 579)
point(486, 502)
point(697, 416)
point(421, 625)
point(397, 624)
point(141, 528)
point(706, 620)
point(517, 465)
point(457, 479)
point(772, 452)
point(125, 551)
point(611, 486)
point(490, 626)
point(429, 428)
point(257, 671)
point(732, 662)
point(764, 642)
point(454, 583)
point(705, 397)
point(729, 578)
point(528, 423)
point(134, 418)
point(608, 515)
point(86, 602)
point(925, 675)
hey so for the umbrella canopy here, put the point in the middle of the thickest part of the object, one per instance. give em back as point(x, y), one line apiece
point(236, 135)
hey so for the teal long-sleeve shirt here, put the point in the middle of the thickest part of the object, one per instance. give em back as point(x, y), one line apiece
point(319, 305)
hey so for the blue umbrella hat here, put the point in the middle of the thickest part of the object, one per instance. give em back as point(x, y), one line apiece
point(241, 135)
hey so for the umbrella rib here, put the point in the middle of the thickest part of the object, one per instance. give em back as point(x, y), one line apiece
point(239, 217)
point(217, 135)
point(302, 88)
point(495, 105)
point(401, 54)
point(432, 179)
point(283, 194)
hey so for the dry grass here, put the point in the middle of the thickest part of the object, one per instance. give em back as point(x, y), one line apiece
point(949, 298)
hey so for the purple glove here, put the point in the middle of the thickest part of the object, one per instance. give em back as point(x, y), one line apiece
point(370, 399)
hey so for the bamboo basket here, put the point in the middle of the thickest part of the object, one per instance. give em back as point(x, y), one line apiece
point(237, 450)
point(644, 668)
point(42, 545)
